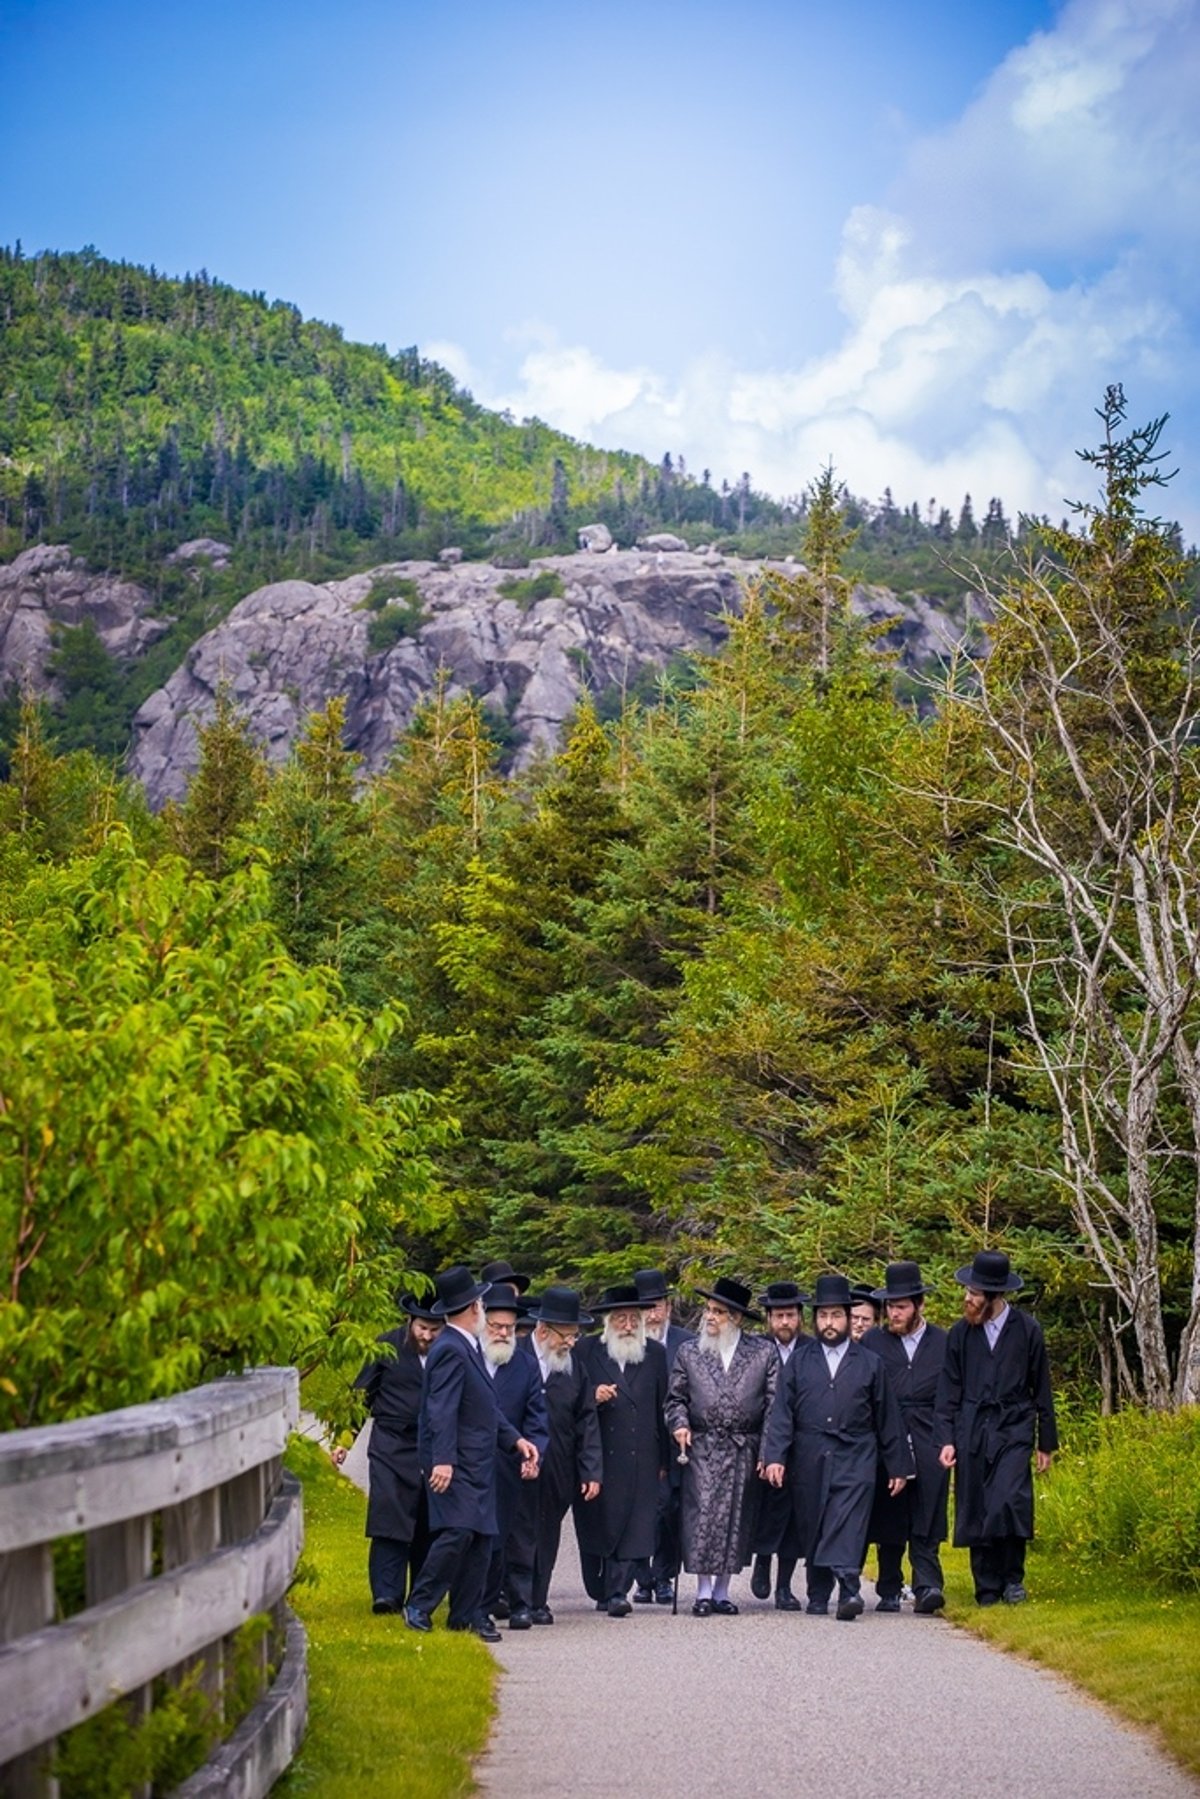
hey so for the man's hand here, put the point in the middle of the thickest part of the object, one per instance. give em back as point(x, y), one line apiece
point(1042, 1459)
point(775, 1473)
point(337, 1456)
point(606, 1392)
point(529, 1456)
point(946, 1456)
point(440, 1477)
point(683, 1437)
point(897, 1486)
point(590, 1489)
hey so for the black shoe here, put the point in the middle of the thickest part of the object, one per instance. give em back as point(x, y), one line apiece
point(724, 1608)
point(618, 1607)
point(520, 1619)
point(664, 1592)
point(485, 1630)
point(850, 1607)
point(887, 1605)
point(987, 1598)
point(500, 1609)
point(417, 1620)
point(643, 1595)
point(760, 1577)
point(382, 1606)
point(602, 1605)
point(702, 1608)
point(817, 1608)
point(786, 1601)
point(1015, 1594)
point(931, 1600)
point(541, 1614)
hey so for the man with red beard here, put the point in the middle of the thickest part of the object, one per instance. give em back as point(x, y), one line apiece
point(629, 1382)
point(995, 1412)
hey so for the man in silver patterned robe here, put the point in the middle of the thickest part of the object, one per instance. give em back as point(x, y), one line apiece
point(718, 1396)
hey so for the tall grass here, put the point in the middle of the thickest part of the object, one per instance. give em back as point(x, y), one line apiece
point(1129, 1495)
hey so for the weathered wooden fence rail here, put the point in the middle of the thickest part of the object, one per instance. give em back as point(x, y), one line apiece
point(190, 1528)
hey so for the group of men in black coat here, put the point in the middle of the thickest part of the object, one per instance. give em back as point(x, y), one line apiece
point(482, 1439)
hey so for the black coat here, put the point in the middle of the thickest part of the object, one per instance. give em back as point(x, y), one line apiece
point(920, 1511)
point(574, 1456)
point(633, 1440)
point(518, 1389)
point(995, 1406)
point(392, 1384)
point(461, 1425)
point(830, 1433)
point(776, 1533)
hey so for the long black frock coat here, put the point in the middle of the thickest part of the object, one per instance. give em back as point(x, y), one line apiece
point(396, 1505)
point(635, 1447)
point(920, 1511)
point(830, 1433)
point(776, 1530)
point(518, 1389)
point(574, 1456)
point(461, 1424)
point(996, 1407)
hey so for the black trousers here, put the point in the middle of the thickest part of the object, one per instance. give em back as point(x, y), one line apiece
point(664, 1564)
point(997, 1563)
point(510, 1566)
point(926, 1567)
point(820, 1582)
point(393, 1564)
point(604, 1577)
point(552, 1509)
point(457, 1563)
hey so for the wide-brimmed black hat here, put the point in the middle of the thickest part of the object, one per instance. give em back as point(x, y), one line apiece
point(863, 1294)
point(651, 1283)
point(560, 1305)
point(901, 1280)
point(990, 1272)
point(729, 1293)
point(419, 1308)
point(832, 1290)
point(504, 1271)
point(500, 1297)
point(780, 1294)
point(457, 1288)
point(621, 1299)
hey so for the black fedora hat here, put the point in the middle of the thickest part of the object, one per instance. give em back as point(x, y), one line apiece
point(862, 1293)
point(780, 1294)
point(901, 1280)
point(504, 1271)
point(651, 1283)
point(419, 1308)
point(732, 1294)
point(990, 1272)
point(500, 1297)
point(832, 1290)
point(457, 1288)
point(621, 1299)
point(560, 1305)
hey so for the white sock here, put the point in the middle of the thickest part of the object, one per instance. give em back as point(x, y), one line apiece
point(721, 1587)
point(704, 1586)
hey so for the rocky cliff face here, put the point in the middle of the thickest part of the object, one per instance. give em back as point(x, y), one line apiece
point(287, 649)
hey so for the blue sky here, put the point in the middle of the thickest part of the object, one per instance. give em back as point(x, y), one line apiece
point(916, 239)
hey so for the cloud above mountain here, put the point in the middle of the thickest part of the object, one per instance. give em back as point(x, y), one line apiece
point(1037, 248)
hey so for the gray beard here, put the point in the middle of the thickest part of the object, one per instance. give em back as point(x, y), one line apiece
point(721, 1342)
point(499, 1354)
point(626, 1352)
point(558, 1361)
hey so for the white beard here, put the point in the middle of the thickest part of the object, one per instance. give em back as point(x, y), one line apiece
point(626, 1352)
point(558, 1361)
point(720, 1343)
point(498, 1353)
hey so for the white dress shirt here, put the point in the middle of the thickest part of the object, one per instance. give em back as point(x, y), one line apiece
point(994, 1326)
point(834, 1353)
point(912, 1341)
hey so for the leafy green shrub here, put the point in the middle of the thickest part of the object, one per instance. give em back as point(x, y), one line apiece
point(527, 592)
point(1131, 1496)
point(388, 590)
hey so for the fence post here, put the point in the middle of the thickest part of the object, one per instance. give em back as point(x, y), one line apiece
point(26, 1603)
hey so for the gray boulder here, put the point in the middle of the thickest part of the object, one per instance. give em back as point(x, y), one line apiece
point(45, 587)
point(662, 541)
point(596, 538)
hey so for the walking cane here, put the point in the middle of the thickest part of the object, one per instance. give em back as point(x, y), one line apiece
point(682, 1459)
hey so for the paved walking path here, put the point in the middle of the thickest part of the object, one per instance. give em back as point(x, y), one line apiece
point(771, 1702)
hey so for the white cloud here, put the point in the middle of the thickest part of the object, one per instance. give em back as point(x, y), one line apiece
point(1038, 249)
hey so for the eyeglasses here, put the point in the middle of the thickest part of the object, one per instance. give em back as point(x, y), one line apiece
point(564, 1333)
point(498, 1329)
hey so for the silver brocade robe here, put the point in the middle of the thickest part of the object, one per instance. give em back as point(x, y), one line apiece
point(725, 1411)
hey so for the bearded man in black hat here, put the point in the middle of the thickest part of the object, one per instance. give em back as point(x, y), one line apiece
point(459, 1432)
point(834, 1418)
point(573, 1466)
point(995, 1411)
point(719, 1393)
point(397, 1509)
point(776, 1534)
point(629, 1382)
point(912, 1352)
point(656, 1577)
point(518, 1389)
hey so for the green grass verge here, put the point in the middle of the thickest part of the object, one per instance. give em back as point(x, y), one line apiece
point(1137, 1651)
point(389, 1711)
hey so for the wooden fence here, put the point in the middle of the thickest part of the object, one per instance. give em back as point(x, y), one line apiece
point(190, 1527)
